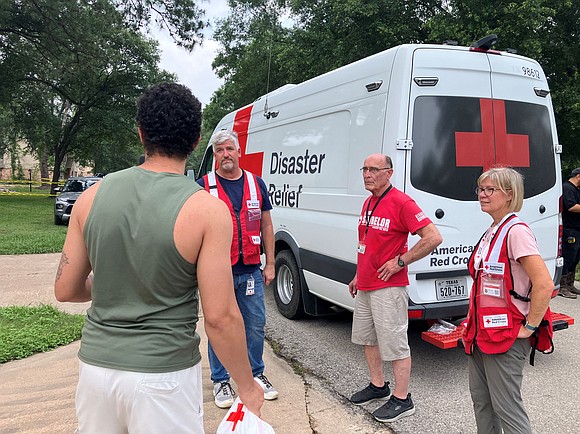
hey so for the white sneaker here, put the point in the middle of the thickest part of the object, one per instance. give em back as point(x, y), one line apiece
point(223, 394)
point(270, 392)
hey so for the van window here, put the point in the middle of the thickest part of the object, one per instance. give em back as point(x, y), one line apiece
point(206, 164)
point(517, 134)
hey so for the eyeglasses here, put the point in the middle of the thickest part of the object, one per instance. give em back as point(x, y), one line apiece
point(487, 191)
point(373, 170)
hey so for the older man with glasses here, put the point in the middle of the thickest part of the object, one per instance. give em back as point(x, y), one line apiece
point(380, 318)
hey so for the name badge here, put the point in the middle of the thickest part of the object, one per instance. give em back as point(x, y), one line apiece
point(256, 240)
point(493, 267)
point(250, 286)
point(361, 248)
point(253, 204)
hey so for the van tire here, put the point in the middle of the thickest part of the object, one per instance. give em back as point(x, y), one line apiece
point(58, 221)
point(287, 286)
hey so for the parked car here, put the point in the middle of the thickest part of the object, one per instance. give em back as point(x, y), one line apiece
point(72, 189)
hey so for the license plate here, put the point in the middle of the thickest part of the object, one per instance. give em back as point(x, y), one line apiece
point(449, 289)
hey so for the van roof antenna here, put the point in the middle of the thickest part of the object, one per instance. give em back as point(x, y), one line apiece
point(266, 112)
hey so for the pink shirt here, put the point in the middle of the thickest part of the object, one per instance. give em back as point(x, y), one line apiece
point(394, 218)
point(521, 242)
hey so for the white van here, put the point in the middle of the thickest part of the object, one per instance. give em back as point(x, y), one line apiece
point(444, 114)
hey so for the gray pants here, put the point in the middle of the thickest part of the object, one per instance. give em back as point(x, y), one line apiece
point(495, 383)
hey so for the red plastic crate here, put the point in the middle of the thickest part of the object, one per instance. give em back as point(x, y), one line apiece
point(451, 340)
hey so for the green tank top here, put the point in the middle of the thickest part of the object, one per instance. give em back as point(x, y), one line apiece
point(145, 296)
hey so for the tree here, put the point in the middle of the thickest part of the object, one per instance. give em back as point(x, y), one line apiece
point(183, 19)
point(74, 65)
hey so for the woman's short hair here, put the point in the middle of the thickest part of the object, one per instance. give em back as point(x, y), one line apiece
point(507, 179)
point(223, 136)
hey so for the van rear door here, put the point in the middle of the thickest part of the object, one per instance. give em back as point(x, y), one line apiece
point(469, 111)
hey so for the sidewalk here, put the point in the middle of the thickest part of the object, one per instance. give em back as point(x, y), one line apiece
point(37, 393)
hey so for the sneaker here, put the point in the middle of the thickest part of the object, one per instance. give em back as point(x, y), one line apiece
point(270, 392)
point(223, 394)
point(566, 293)
point(371, 393)
point(395, 409)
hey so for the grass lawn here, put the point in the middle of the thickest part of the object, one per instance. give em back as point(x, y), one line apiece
point(27, 330)
point(28, 225)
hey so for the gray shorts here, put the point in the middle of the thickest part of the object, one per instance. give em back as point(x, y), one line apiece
point(381, 318)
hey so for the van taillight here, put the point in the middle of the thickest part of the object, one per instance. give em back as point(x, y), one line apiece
point(483, 50)
point(560, 226)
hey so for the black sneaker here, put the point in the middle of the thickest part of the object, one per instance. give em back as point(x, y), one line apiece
point(371, 393)
point(395, 409)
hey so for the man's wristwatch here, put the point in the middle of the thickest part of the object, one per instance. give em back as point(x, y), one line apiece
point(530, 327)
point(400, 262)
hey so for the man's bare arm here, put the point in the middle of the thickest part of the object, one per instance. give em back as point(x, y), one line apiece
point(223, 322)
point(267, 229)
point(430, 238)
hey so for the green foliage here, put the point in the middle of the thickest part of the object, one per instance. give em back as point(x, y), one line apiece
point(28, 330)
point(28, 225)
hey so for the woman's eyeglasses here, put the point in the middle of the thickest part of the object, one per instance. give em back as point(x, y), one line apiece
point(487, 191)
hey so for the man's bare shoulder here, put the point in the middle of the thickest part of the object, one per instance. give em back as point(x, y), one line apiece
point(202, 217)
point(203, 205)
point(84, 203)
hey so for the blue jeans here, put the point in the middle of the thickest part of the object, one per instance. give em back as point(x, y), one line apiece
point(253, 312)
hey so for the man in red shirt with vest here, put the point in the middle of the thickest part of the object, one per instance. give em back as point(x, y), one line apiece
point(380, 314)
point(246, 196)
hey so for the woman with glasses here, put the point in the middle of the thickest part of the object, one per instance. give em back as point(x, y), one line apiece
point(510, 295)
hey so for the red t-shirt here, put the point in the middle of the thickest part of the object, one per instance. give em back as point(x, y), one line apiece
point(394, 218)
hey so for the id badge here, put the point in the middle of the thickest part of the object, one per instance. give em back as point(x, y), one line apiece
point(250, 287)
point(492, 286)
point(492, 291)
point(361, 248)
point(253, 219)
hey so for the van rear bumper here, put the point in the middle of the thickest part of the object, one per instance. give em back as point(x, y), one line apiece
point(449, 309)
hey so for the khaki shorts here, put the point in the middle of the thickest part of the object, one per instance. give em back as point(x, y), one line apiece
point(381, 318)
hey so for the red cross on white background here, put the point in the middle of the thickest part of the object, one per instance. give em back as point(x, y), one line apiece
point(493, 145)
point(250, 162)
point(236, 416)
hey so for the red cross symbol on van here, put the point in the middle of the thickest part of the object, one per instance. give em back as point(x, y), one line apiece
point(493, 145)
point(249, 162)
point(236, 416)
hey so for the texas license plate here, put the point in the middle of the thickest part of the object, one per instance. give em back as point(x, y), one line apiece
point(448, 289)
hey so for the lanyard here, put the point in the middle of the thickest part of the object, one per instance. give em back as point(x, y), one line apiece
point(483, 250)
point(369, 216)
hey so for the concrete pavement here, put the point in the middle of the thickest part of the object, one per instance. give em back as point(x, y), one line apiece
point(37, 393)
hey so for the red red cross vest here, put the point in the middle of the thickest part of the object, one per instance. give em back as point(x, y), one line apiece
point(246, 239)
point(494, 320)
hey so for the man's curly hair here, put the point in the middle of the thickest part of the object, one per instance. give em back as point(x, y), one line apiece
point(169, 117)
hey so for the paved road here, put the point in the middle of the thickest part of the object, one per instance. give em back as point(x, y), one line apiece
point(439, 380)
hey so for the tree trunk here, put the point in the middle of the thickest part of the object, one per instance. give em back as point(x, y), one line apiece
point(43, 167)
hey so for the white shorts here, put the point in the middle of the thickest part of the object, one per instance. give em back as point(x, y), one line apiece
point(381, 318)
point(119, 402)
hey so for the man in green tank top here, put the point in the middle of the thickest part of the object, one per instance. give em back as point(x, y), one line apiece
point(156, 244)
